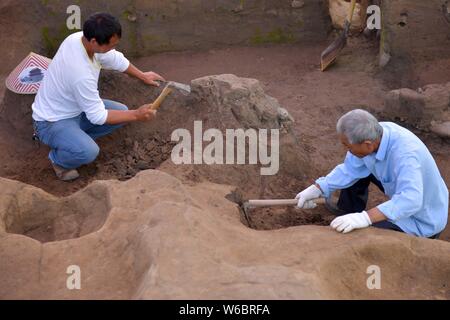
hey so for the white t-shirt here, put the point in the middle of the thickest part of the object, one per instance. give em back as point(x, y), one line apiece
point(70, 86)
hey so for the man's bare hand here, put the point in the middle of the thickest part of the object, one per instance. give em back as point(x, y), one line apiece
point(150, 78)
point(145, 113)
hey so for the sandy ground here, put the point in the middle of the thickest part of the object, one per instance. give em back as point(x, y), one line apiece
point(289, 73)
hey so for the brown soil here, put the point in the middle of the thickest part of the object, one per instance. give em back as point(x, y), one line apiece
point(289, 73)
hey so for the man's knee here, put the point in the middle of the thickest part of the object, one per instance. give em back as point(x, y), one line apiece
point(89, 153)
point(114, 105)
point(121, 107)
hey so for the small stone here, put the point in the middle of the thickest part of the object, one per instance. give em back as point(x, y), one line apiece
point(142, 165)
point(122, 172)
point(283, 115)
point(131, 172)
point(441, 129)
point(132, 17)
point(239, 8)
point(150, 147)
point(136, 146)
point(128, 142)
point(296, 4)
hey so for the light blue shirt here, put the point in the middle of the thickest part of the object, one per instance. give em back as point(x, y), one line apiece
point(418, 195)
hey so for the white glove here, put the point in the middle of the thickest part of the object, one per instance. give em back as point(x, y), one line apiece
point(310, 204)
point(348, 222)
point(304, 198)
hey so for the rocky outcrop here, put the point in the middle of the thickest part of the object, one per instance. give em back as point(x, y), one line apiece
point(229, 103)
point(154, 237)
point(219, 102)
point(427, 108)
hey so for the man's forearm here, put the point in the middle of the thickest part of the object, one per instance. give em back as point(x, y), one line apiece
point(150, 78)
point(119, 116)
point(135, 72)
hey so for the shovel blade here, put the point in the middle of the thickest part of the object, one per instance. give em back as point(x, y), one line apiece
point(330, 54)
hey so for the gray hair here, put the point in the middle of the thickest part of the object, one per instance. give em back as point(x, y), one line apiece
point(358, 126)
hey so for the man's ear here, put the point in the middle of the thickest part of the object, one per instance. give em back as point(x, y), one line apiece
point(369, 144)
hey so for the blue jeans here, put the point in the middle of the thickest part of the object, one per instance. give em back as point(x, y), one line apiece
point(72, 141)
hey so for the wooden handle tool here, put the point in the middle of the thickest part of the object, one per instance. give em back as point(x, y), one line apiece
point(158, 102)
point(279, 202)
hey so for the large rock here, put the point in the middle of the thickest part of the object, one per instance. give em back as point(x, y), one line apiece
point(242, 99)
point(154, 237)
point(442, 129)
point(426, 108)
point(339, 10)
point(227, 102)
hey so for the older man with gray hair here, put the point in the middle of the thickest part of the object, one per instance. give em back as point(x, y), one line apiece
point(398, 163)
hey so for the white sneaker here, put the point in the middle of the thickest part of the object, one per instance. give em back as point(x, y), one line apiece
point(65, 174)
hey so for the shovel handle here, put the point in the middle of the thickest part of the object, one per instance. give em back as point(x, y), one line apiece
point(279, 202)
point(352, 9)
point(157, 104)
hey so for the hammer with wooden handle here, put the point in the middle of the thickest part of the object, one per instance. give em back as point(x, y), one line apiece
point(163, 95)
point(278, 202)
point(168, 89)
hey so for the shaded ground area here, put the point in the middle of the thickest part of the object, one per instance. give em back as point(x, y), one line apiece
point(287, 72)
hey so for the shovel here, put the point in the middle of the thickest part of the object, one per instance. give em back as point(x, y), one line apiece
point(330, 54)
point(250, 204)
point(168, 89)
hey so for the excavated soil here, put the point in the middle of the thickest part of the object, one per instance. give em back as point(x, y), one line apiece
point(289, 73)
point(164, 239)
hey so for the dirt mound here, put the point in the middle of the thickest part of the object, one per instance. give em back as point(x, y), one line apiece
point(157, 226)
point(222, 103)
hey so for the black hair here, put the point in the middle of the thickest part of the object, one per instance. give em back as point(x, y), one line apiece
point(102, 26)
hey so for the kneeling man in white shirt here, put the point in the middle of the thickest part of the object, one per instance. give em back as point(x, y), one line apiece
point(68, 113)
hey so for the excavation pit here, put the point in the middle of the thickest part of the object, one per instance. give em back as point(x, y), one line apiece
point(46, 218)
